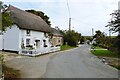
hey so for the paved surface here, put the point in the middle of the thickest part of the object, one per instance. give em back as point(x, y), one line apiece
point(74, 63)
point(30, 67)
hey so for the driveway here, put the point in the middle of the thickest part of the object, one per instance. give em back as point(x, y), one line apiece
point(74, 63)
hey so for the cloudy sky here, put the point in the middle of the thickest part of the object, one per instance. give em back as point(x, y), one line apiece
point(85, 14)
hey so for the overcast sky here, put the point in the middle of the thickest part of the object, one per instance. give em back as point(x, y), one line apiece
point(85, 14)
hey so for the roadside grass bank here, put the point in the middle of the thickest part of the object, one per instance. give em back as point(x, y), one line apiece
point(66, 47)
point(107, 57)
point(10, 72)
point(98, 47)
point(104, 53)
point(6, 71)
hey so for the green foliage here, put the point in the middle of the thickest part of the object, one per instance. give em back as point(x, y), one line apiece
point(99, 37)
point(1, 58)
point(41, 14)
point(6, 21)
point(114, 24)
point(82, 39)
point(66, 47)
point(104, 53)
point(98, 47)
point(88, 38)
point(71, 38)
point(102, 40)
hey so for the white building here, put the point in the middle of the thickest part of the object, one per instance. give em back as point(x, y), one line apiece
point(28, 35)
point(1, 39)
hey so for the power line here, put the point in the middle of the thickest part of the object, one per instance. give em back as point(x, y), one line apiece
point(68, 8)
point(69, 15)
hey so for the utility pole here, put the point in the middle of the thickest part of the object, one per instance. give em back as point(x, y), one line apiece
point(109, 32)
point(92, 32)
point(69, 24)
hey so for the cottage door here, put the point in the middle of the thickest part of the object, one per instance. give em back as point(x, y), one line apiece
point(37, 43)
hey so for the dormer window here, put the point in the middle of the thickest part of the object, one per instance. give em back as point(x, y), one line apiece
point(28, 32)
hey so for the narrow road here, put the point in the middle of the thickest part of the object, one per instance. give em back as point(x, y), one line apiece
point(74, 63)
point(78, 63)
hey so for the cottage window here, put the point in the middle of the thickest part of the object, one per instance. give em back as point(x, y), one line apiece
point(27, 42)
point(37, 43)
point(59, 41)
point(44, 41)
point(28, 32)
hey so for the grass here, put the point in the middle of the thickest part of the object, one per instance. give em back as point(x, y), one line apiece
point(107, 53)
point(66, 47)
point(118, 67)
point(10, 72)
point(104, 53)
point(97, 47)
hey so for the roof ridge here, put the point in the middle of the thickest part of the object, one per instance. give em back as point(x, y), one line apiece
point(15, 8)
point(28, 20)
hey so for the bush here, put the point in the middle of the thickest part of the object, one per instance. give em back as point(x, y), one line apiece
point(72, 42)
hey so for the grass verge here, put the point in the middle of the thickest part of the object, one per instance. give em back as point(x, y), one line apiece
point(10, 72)
point(104, 53)
point(97, 47)
point(108, 55)
point(66, 47)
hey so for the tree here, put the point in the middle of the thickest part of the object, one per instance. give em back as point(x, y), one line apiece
point(6, 19)
point(100, 37)
point(82, 39)
point(41, 14)
point(114, 24)
point(71, 37)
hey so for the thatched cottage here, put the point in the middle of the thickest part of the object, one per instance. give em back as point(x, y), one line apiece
point(57, 38)
point(29, 35)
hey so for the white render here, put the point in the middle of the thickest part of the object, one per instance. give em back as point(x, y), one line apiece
point(15, 37)
point(1, 39)
point(11, 39)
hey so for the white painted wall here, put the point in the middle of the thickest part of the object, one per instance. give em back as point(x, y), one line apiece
point(36, 35)
point(1, 42)
point(11, 39)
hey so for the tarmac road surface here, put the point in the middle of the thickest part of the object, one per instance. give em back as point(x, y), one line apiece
point(74, 63)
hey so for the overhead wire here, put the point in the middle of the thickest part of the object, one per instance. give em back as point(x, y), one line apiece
point(68, 8)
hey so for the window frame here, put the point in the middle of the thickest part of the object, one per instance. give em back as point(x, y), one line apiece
point(28, 31)
point(27, 42)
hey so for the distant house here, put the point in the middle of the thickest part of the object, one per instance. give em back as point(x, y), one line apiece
point(29, 35)
point(57, 38)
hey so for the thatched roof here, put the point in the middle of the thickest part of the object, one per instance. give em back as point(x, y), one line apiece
point(26, 20)
point(56, 32)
